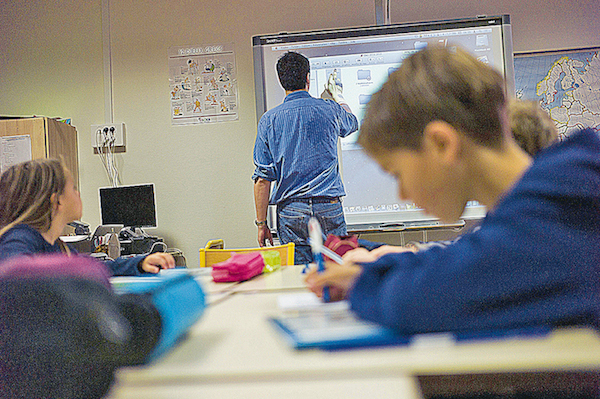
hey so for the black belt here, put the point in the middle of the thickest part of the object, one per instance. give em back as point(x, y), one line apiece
point(312, 200)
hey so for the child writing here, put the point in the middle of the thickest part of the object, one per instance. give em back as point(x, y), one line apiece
point(439, 126)
point(37, 200)
point(532, 129)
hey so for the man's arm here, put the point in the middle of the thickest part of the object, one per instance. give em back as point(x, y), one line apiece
point(334, 90)
point(262, 190)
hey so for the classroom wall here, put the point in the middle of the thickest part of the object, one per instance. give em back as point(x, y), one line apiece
point(52, 64)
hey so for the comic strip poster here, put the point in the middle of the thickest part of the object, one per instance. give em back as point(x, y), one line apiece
point(202, 84)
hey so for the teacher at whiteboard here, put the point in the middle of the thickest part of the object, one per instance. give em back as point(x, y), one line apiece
point(296, 147)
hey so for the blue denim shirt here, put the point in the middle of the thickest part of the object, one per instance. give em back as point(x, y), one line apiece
point(296, 146)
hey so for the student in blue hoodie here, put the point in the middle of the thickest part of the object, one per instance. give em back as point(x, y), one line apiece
point(439, 126)
point(531, 127)
point(37, 200)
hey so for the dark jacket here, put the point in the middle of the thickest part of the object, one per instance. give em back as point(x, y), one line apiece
point(535, 261)
point(25, 240)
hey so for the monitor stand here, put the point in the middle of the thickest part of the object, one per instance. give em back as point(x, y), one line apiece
point(135, 241)
point(129, 233)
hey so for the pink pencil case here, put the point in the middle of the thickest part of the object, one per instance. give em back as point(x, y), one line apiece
point(239, 267)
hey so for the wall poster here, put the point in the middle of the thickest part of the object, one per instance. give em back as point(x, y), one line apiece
point(14, 150)
point(203, 84)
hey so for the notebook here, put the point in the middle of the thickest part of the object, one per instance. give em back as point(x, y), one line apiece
point(306, 322)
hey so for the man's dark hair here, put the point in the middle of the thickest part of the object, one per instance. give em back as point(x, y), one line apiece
point(292, 69)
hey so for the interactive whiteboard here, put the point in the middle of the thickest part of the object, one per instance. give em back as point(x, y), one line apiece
point(363, 58)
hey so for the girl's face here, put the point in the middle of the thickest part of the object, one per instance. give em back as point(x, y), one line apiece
point(70, 201)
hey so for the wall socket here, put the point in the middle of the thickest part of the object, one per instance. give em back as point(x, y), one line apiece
point(103, 134)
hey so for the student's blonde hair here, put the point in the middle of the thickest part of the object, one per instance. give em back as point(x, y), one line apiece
point(531, 126)
point(26, 191)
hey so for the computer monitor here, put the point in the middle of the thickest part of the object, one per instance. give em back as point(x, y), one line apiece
point(130, 206)
point(364, 57)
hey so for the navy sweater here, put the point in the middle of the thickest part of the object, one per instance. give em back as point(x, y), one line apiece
point(534, 261)
point(25, 240)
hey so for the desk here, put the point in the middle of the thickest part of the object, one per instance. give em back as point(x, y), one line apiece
point(288, 278)
point(215, 292)
point(233, 351)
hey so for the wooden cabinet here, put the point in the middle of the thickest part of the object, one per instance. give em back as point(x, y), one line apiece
point(49, 139)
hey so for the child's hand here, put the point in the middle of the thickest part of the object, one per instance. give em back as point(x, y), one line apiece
point(362, 255)
point(156, 261)
point(339, 279)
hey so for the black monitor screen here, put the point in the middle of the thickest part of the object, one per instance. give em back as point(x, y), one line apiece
point(131, 206)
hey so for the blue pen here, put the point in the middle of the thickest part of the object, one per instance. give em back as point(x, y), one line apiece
point(316, 244)
point(330, 254)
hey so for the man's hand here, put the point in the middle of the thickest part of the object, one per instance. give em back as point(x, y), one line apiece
point(156, 261)
point(262, 190)
point(264, 235)
point(335, 88)
point(339, 279)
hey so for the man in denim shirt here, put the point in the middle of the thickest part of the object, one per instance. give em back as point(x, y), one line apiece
point(296, 147)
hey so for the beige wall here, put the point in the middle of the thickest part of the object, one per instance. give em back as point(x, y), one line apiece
point(52, 65)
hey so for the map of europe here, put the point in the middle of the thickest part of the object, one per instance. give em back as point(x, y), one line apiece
point(567, 85)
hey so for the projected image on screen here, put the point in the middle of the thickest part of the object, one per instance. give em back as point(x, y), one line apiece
point(369, 189)
point(360, 76)
point(363, 58)
point(130, 206)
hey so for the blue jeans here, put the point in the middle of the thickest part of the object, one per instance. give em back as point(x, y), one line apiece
point(292, 223)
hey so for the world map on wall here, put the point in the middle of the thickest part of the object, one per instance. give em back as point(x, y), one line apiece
point(566, 84)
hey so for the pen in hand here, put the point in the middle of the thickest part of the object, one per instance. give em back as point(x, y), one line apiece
point(316, 245)
point(332, 255)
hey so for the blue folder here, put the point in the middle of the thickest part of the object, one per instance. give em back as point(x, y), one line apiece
point(337, 328)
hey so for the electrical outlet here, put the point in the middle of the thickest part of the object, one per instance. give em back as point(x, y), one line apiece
point(102, 135)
